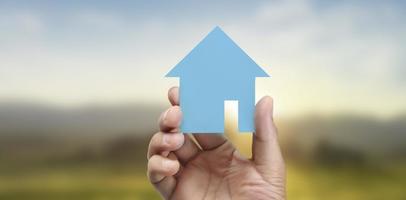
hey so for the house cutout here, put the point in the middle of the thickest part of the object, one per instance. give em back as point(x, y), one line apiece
point(216, 70)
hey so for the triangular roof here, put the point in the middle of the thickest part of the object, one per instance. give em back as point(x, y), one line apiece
point(218, 55)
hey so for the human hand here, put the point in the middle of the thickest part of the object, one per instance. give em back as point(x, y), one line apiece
point(209, 167)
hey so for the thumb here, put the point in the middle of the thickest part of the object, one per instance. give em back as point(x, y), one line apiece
point(266, 151)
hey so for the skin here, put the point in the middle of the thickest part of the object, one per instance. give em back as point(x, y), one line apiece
point(207, 166)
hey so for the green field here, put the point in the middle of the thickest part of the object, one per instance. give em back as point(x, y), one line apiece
point(93, 182)
point(69, 167)
point(90, 182)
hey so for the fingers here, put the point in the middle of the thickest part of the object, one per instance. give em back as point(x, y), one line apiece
point(182, 145)
point(170, 120)
point(266, 151)
point(160, 167)
point(165, 142)
point(161, 171)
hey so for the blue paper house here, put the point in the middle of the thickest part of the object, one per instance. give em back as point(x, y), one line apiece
point(216, 70)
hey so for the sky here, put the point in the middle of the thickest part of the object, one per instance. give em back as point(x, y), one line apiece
point(323, 57)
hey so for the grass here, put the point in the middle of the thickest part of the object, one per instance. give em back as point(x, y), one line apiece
point(88, 183)
point(120, 183)
point(346, 183)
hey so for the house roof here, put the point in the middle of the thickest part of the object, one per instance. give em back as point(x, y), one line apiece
point(217, 55)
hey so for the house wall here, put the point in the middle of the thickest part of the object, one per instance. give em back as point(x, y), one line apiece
point(202, 103)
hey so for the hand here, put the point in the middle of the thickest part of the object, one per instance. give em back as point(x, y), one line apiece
point(209, 167)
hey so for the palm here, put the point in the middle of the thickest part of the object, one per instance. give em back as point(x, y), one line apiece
point(222, 173)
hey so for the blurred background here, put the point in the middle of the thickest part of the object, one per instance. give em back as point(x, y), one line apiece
point(82, 85)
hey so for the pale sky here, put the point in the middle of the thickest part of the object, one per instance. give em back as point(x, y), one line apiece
point(323, 57)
